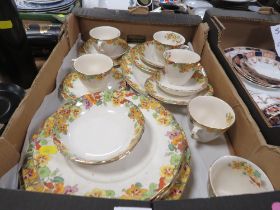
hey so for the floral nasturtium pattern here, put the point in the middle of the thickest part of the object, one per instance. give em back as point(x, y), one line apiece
point(71, 110)
point(38, 176)
point(67, 86)
point(247, 170)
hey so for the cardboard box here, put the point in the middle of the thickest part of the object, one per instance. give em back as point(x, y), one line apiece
point(81, 22)
point(230, 29)
point(237, 28)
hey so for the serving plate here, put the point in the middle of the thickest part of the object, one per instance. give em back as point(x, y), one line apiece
point(197, 83)
point(150, 170)
point(134, 77)
point(85, 130)
point(72, 87)
point(153, 90)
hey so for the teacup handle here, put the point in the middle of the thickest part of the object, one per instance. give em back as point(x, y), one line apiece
point(185, 47)
point(195, 130)
point(100, 46)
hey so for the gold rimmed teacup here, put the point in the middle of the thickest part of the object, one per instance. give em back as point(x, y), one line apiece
point(210, 116)
point(180, 65)
point(93, 70)
point(106, 39)
point(166, 40)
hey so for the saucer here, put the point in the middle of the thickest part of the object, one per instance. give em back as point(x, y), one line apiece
point(80, 129)
point(72, 87)
point(197, 83)
point(134, 77)
point(120, 49)
point(154, 91)
point(150, 56)
point(137, 53)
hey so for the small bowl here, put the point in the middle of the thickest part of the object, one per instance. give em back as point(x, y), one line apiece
point(232, 175)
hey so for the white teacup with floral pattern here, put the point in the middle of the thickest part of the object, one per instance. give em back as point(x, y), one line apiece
point(93, 70)
point(106, 38)
point(210, 116)
point(166, 40)
point(180, 65)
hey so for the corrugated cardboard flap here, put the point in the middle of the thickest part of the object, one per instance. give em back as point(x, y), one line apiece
point(9, 156)
point(242, 15)
point(124, 16)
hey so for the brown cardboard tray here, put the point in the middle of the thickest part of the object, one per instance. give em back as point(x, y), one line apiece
point(130, 25)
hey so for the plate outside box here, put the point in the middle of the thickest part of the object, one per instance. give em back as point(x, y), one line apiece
point(42, 1)
point(153, 169)
point(199, 4)
point(234, 54)
point(26, 6)
point(10, 97)
point(264, 64)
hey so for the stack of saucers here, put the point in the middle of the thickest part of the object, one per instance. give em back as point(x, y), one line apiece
point(44, 5)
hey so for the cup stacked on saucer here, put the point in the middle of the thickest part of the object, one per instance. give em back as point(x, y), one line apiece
point(180, 76)
point(101, 51)
point(105, 40)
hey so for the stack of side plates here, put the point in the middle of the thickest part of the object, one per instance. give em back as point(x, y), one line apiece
point(43, 5)
point(258, 66)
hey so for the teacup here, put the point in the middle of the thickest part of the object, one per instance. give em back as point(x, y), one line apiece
point(180, 65)
point(105, 38)
point(211, 117)
point(93, 70)
point(166, 40)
